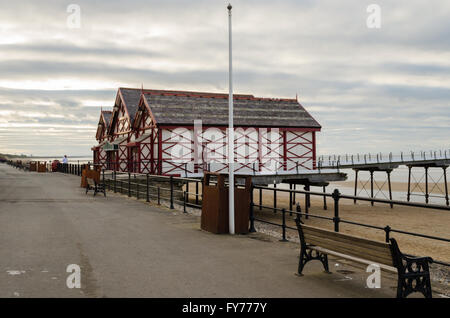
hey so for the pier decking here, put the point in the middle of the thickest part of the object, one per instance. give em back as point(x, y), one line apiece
point(128, 248)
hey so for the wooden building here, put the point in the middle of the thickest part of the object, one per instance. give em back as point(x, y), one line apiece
point(182, 133)
point(102, 137)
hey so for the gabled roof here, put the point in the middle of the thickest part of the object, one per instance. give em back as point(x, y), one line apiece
point(107, 114)
point(103, 123)
point(131, 97)
point(182, 108)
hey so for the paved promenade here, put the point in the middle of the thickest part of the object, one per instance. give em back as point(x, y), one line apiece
point(127, 248)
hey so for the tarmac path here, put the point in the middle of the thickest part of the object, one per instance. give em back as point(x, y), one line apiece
point(128, 248)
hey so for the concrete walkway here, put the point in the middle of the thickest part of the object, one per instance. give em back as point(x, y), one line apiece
point(128, 248)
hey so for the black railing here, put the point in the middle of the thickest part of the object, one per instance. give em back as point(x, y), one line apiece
point(336, 219)
point(170, 189)
point(154, 187)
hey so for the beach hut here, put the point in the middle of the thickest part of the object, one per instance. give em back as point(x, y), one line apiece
point(182, 133)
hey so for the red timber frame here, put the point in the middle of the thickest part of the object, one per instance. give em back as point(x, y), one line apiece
point(283, 149)
point(99, 155)
point(294, 160)
point(120, 127)
point(144, 123)
point(289, 148)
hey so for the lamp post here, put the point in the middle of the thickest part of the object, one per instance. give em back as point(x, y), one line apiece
point(230, 130)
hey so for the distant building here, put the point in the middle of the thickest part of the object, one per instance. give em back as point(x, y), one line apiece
point(179, 133)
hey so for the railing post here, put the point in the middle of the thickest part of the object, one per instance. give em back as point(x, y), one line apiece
point(159, 196)
point(290, 198)
point(260, 199)
point(184, 201)
point(387, 230)
point(336, 195)
point(103, 175)
point(274, 197)
point(196, 192)
point(252, 211)
point(137, 187)
point(171, 192)
point(187, 189)
point(298, 209)
point(283, 212)
point(147, 191)
point(306, 206)
point(129, 184)
point(115, 189)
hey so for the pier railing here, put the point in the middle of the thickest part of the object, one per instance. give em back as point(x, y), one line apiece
point(351, 160)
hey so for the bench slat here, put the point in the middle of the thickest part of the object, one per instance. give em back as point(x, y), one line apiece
point(341, 236)
point(353, 250)
point(388, 268)
point(347, 244)
point(385, 249)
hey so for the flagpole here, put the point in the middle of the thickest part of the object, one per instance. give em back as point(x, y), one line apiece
point(230, 131)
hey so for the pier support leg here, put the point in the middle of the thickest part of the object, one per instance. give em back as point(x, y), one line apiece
point(390, 187)
point(308, 196)
point(426, 185)
point(371, 186)
point(446, 186)
point(324, 198)
point(295, 188)
point(408, 196)
point(356, 185)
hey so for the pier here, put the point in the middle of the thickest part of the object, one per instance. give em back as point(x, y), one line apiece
point(387, 163)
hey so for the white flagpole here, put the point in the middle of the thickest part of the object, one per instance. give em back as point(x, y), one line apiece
point(230, 132)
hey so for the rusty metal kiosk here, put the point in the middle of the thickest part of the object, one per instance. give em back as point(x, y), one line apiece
point(215, 204)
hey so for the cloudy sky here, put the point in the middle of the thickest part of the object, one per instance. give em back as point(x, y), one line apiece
point(385, 89)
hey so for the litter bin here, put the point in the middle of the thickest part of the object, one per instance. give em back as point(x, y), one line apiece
point(41, 166)
point(215, 203)
point(33, 166)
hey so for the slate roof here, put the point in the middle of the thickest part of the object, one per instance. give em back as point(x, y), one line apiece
point(131, 97)
point(107, 117)
point(182, 108)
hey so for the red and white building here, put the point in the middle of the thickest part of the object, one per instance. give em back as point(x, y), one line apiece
point(102, 137)
point(182, 133)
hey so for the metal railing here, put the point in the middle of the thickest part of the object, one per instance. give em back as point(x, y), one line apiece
point(348, 160)
point(142, 186)
point(336, 219)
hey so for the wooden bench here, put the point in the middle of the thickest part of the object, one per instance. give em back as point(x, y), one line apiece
point(91, 184)
point(413, 272)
